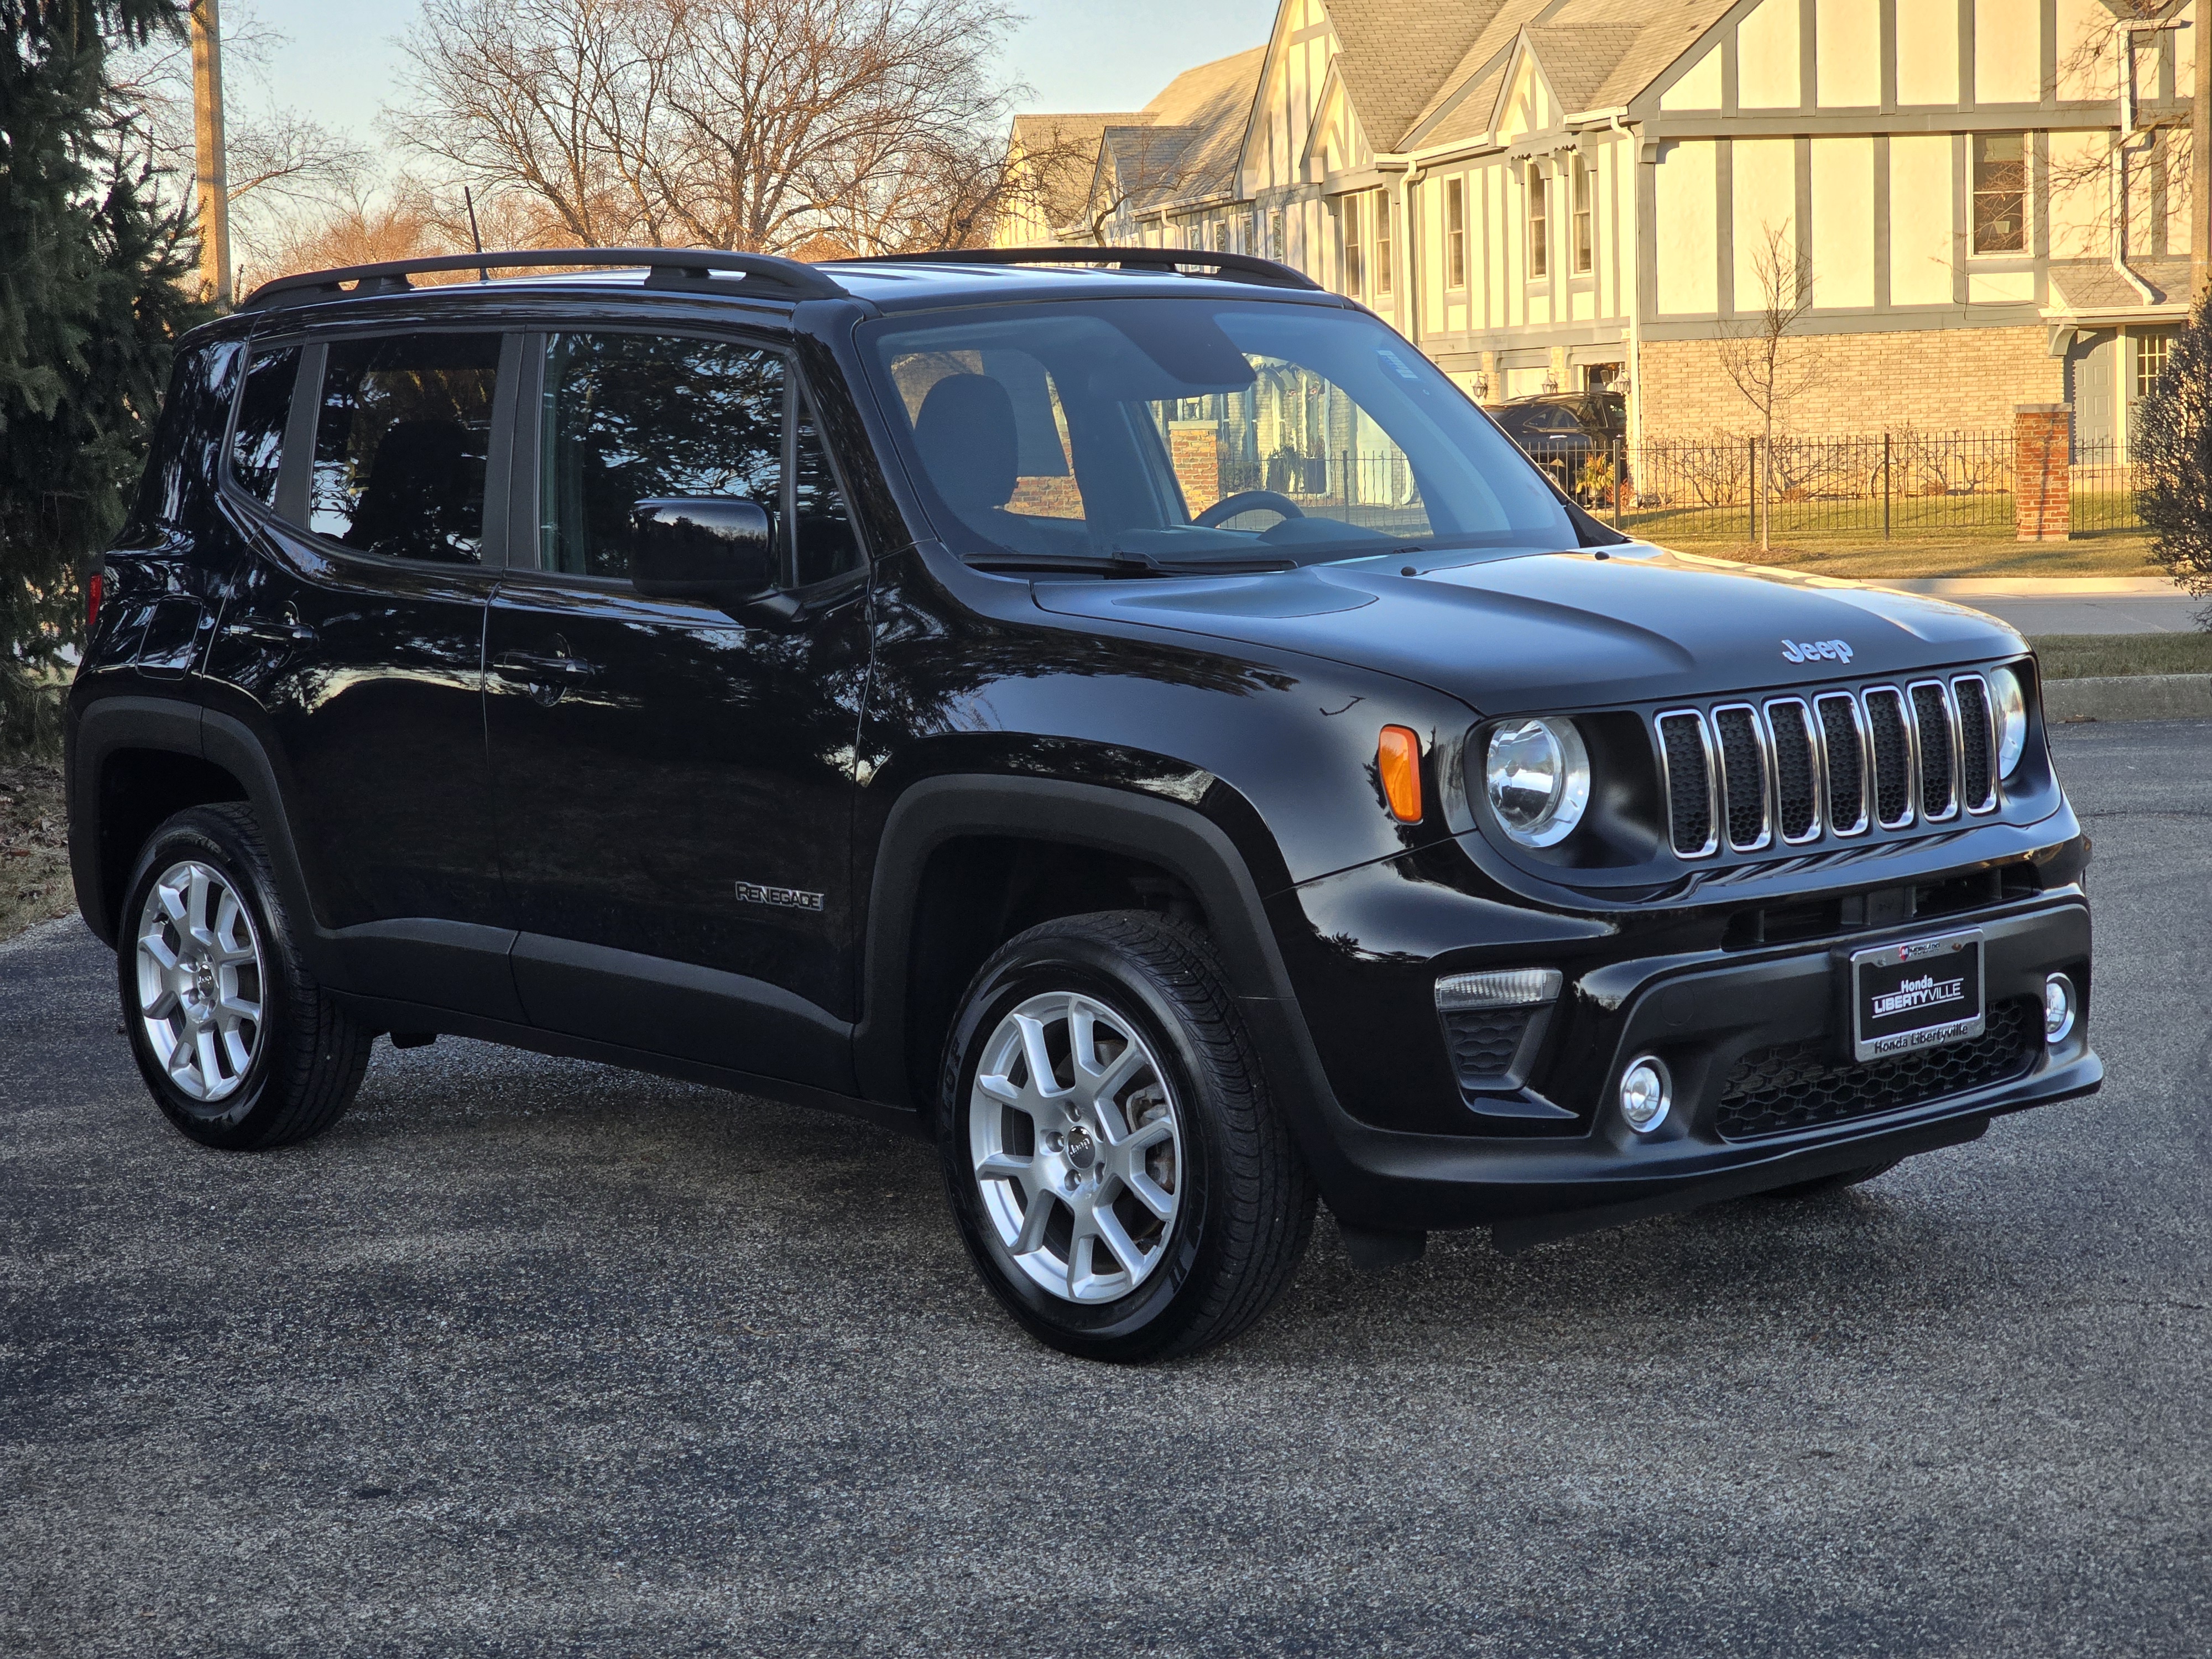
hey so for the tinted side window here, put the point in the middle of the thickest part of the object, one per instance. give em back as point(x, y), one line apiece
point(401, 442)
point(630, 417)
point(264, 404)
point(824, 545)
point(180, 469)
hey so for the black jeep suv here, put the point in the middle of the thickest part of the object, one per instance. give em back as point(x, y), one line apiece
point(880, 684)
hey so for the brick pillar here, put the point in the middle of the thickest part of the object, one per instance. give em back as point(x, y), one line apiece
point(1195, 448)
point(2042, 485)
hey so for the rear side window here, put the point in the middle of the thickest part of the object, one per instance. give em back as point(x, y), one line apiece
point(257, 439)
point(402, 440)
point(627, 417)
point(179, 476)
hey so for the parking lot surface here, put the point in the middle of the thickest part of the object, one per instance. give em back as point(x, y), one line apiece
point(528, 1356)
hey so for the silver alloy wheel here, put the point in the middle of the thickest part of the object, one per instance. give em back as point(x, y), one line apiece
point(1078, 1147)
point(200, 980)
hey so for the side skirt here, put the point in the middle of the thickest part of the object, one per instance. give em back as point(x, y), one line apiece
point(382, 1013)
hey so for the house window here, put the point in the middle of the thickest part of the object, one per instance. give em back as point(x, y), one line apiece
point(1456, 233)
point(1382, 241)
point(1276, 243)
point(1355, 250)
point(2151, 353)
point(1585, 189)
point(1540, 262)
point(2000, 192)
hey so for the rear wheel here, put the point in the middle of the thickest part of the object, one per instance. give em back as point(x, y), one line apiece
point(239, 1044)
point(1116, 1167)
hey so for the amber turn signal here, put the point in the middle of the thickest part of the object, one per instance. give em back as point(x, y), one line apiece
point(1398, 757)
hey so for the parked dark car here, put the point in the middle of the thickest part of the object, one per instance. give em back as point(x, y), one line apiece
point(848, 683)
point(1573, 435)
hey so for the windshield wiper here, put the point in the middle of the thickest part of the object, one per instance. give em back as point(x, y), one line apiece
point(1124, 564)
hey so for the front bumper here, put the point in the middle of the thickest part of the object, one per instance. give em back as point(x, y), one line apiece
point(1720, 1026)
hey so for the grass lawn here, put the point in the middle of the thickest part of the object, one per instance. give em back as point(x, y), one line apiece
point(2093, 656)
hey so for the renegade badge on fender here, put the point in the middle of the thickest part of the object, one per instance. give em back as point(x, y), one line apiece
point(1121, 715)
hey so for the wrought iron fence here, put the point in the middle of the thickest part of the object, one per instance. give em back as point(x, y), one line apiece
point(1895, 484)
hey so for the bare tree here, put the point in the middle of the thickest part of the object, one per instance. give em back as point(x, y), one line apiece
point(1138, 167)
point(755, 124)
point(1766, 357)
point(285, 170)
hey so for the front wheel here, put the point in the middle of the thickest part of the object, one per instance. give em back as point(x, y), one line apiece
point(1115, 1162)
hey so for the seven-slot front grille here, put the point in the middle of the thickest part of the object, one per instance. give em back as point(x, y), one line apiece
point(1746, 776)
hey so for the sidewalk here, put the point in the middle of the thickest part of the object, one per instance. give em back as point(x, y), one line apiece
point(2083, 605)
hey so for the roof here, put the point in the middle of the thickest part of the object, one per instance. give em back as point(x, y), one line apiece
point(1393, 54)
point(2092, 286)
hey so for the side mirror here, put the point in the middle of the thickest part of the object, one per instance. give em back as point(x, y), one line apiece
point(720, 549)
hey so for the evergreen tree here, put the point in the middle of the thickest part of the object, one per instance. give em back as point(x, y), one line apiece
point(91, 302)
point(2173, 456)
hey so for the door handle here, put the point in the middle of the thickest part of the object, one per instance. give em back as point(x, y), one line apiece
point(267, 630)
point(525, 669)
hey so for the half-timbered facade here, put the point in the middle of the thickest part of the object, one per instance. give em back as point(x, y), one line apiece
point(1548, 193)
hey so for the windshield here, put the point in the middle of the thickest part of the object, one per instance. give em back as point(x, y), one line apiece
point(1198, 432)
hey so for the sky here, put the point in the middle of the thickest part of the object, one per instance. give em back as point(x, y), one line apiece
point(340, 63)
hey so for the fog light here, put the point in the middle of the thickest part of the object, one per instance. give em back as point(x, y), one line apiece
point(1645, 1094)
point(2058, 1008)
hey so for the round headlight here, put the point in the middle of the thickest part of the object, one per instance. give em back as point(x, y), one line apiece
point(2009, 703)
point(1537, 776)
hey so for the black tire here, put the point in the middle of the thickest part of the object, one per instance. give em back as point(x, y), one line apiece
point(1244, 1200)
point(1834, 1183)
point(307, 1054)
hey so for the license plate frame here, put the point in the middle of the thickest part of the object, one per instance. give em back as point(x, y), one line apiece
point(1890, 985)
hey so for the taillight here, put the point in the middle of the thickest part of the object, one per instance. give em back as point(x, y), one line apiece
point(92, 601)
point(1398, 758)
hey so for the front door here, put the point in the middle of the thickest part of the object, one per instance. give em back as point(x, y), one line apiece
point(674, 786)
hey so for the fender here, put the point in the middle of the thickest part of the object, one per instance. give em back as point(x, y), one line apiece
point(97, 729)
point(1179, 839)
point(456, 965)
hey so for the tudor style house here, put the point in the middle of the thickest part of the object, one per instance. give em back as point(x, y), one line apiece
point(1545, 194)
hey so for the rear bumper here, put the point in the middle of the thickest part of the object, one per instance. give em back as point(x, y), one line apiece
point(1710, 1022)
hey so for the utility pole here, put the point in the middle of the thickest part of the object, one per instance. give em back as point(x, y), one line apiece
point(207, 138)
point(2200, 168)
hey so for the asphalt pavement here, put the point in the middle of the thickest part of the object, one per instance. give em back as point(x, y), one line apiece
point(532, 1357)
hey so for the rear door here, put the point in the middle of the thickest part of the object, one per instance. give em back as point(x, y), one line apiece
point(674, 784)
point(352, 643)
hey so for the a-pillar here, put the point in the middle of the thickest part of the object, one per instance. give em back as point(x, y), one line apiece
point(2042, 472)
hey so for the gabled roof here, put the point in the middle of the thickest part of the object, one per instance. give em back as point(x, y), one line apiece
point(1392, 55)
point(1597, 54)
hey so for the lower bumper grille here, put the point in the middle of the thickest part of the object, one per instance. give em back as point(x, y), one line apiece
point(1486, 1043)
point(1793, 1085)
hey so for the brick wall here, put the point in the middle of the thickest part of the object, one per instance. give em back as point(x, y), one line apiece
point(1195, 448)
point(1936, 381)
point(2043, 443)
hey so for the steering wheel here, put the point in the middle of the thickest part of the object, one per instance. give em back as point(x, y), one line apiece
point(1247, 500)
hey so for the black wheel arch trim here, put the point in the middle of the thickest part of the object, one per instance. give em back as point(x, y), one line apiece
point(1179, 839)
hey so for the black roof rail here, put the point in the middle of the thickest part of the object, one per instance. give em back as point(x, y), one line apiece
point(1236, 267)
point(671, 267)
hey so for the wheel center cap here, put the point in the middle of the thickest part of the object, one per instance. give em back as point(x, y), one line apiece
point(203, 981)
point(1081, 1150)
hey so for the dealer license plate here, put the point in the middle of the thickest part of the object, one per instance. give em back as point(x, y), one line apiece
point(1918, 994)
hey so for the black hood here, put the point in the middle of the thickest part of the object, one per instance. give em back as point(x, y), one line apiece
point(1565, 630)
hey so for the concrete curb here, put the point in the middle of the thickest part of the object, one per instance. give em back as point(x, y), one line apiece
point(2129, 697)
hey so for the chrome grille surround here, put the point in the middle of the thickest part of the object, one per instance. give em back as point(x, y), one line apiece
point(1789, 724)
point(1686, 779)
point(1745, 797)
point(1798, 768)
point(1977, 723)
point(1849, 813)
point(1889, 742)
point(1934, 750)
